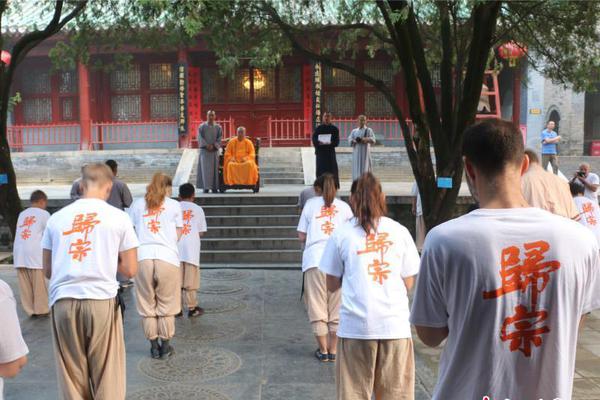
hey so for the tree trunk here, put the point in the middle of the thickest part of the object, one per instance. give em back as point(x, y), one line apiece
point(10, 203)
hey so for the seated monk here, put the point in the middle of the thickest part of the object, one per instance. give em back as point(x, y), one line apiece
point(239, 167)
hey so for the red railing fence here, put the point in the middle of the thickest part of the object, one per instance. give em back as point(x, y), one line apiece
point(20, 136)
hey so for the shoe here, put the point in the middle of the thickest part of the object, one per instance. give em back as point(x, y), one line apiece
point(166, 350)
point(331, 357)
point(323, 357)
point(154, 349)
point(179, 315)
point(195, 312)
point(205, 190)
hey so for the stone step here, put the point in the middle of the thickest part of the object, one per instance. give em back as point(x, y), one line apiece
point(251, 256)
point(283, 181)
point(247, 265)
point(244, 199)
point(250, 210)
point(281, 175)
point(245, 243)
point(251, 220)
point(281, 169)
point(266, 231)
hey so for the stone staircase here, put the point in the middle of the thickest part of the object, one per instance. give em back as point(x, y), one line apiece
point(246, 230)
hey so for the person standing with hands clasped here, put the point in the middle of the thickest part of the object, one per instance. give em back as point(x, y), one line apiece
point(158, 222)
point(374, 260)
point(325, 139)
point(361, 139)
point(320, 218)
point(550, 140)
point(85, 244)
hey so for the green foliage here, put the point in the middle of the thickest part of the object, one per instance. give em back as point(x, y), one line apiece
point(13, 101)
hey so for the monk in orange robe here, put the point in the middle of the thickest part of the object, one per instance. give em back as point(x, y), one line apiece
point(239, 165)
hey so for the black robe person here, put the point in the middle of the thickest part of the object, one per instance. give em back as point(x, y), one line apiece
point(326, 160)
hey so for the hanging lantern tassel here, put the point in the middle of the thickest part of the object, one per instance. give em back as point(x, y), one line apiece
point(5, 57)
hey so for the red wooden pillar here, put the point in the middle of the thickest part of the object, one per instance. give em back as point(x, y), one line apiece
point(85, 121)
point(516, 112)
point(184, 140)
point(307, 98)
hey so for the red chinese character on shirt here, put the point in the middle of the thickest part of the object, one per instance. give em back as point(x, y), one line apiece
point(534, 273)
point(329, 213)
point(378, 243)
point(187, 218)
point(83, 224)
point(154, 223)
point(588, 211)
point(27, 223)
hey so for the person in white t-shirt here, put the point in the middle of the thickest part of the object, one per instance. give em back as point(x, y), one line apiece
point(417, 211)
point(27, 255)
point(506, 285)
point(194, 227)
point(590, 181)
point(321, 216)
point(589, 212)
point(158, 221)
point(85, 244)
point(374, 260)
point(13, 350)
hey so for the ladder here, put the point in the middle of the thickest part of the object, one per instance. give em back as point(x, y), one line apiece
point(489, 93)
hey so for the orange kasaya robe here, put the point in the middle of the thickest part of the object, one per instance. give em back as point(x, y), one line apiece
point(239, 165)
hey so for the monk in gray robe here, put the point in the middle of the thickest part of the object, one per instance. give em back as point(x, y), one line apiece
point(361, 139)
point(209, 140)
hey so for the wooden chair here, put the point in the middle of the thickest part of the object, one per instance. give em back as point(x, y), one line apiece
point(223, 187)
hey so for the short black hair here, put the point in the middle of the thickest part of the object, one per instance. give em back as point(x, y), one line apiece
point(493, 144)
point(113, 165)
point(37, 195)
point(186, 191)
point(576, 188)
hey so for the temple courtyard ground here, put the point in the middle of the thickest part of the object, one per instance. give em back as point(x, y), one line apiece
point(254, 342)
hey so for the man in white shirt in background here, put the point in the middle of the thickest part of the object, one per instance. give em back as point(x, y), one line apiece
point(506, 285)
point(194, 227)
point(589, 180)
point(13, 350)
point(84, 245)
point(27, 255)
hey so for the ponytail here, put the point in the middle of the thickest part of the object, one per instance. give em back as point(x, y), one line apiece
point(157, 190)
point(326, 185)
point(368, 202)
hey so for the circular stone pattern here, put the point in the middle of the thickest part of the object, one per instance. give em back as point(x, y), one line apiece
point(219, 304)
point(198, 365)
point(203, 331)
point(223, 288)
point(177, 392)
point(225, 275)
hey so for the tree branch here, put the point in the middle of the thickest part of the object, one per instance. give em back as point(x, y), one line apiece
point(446, 68)
point(369, 28)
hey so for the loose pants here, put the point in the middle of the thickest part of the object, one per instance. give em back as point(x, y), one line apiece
point(89, 349)
point(190, 283)
point(33, 290)
point(158, 294)
point(420, 230)
point(323, 306)
point(385, 368)
point(553, 160)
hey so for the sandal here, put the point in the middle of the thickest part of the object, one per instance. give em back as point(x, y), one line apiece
point(323, 357)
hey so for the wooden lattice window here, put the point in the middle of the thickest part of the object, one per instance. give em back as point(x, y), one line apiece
point(380, 70)
point(37, 110)
point(162, 76)
point(67, 89)
point(36, 82)
point(126, 107)
point(123, 80)
point(213, 86)
point(340, 104)
point(337, 77)
point(163, 106)
point(239, 86)
point(127, 104)
point(376, 105)
point(290, 84)
point(264, 86)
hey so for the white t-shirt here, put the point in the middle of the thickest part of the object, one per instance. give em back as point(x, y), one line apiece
point(12, 345)
point(319, 222)
point(157, 230)
point(415, 193)
point(194, 223)
point(374, 296)
point(488, 351)
point(589, 214)
point(592, 179)
point(86, 238)
point(27, 249)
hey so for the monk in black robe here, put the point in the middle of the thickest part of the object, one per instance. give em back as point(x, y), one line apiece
point(325, 150)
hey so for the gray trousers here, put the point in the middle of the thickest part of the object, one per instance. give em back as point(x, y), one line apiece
point(552, 159)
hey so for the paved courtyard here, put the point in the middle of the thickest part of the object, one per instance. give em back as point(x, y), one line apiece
point(254, 343)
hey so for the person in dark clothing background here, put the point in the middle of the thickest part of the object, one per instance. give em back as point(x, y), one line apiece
point(325, 139)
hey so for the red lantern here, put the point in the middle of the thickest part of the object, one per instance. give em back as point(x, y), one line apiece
point(512, 51)
point(5, 57)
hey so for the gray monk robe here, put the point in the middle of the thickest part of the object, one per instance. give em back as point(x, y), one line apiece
point(208, 162)
point(361, 153)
